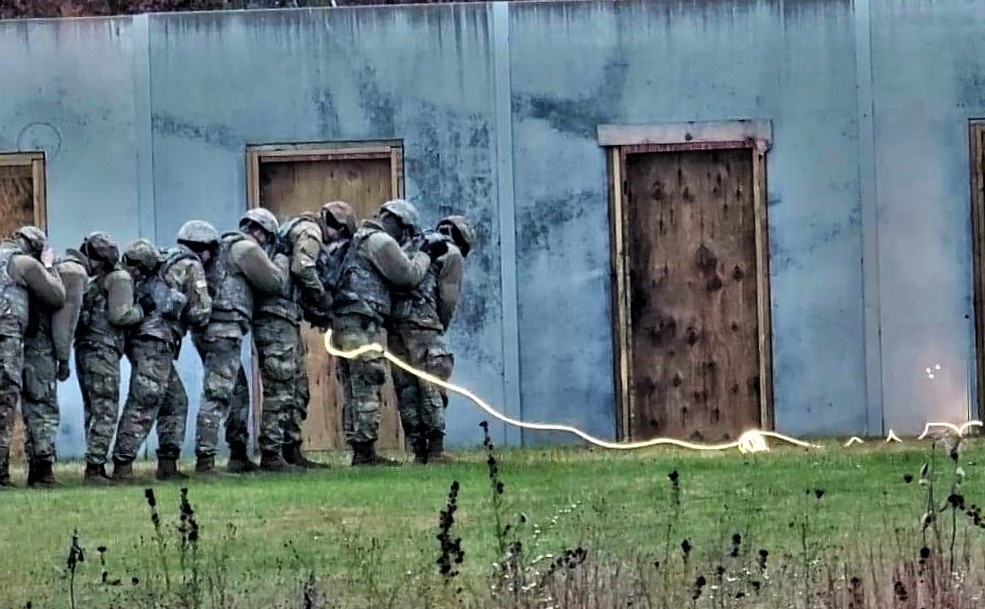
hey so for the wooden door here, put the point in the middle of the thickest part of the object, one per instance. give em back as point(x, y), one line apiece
point(288, 187)
point(21, 204)
point(691, 239)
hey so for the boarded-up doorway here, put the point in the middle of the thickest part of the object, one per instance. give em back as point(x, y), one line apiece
point(22, 202)
point(290, 179)
point(691, 293)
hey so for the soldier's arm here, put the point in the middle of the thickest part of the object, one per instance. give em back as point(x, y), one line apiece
point(395, 265)
point(43, 284)
point(65, 319)
point(196, 290)
point(259, 270)
point(122, 311)
point(449, 284)
point(304, 261)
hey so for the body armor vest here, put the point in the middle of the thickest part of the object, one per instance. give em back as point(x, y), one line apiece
point(14, 302)
point(232, 300)
point(286, 306)
point(168, 328)
point(362, 290)
point(94, 327)
point(420, 304)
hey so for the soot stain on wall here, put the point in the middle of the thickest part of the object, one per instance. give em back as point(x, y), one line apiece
point(220, 136)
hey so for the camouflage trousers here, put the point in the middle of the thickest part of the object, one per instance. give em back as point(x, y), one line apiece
point(361, 378)
point(39, 401)
point(284, 376)
point(421, 404)
point(11, 379)
point(156, 395)
point(225, 395)
point(98, 369)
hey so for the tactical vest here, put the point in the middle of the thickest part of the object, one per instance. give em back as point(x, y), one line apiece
point(362, 290)
point(232, 300)
point(156, 324)
point(420, 304)
point(94, 327)
point(286, 305)
point(14, 301)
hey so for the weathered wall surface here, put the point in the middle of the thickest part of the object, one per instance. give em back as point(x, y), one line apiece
point(144, 121)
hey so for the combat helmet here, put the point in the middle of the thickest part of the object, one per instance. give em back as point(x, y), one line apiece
point(341, 215)
point(143, 253)
point(100, 245)
point(198, 232)
point(261, 217)
point(33, 236)
point(463, 233)
point(404, 210)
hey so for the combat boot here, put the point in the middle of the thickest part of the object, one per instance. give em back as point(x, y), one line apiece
point(294, 456)
point(273, 462)
point(122, 471)
point(364, 453)
point(40, 474)
point(167, 469)
point(436, 450)
point(96, 475)
point(205, 464)
point(239, 460)
point(420, 448)
point(5, 482)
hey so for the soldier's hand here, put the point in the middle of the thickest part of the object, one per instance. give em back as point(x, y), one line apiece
point(436, 249)
point(63, 370)
point(147, 303)
point(48, 256)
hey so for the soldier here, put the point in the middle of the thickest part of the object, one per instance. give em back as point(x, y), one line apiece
point(47, 347)
point(22, 277)
point(172, 290)
point(108, 308)
point(421, 317)
point(281, 351)
point(241, 270)
point(373, 265)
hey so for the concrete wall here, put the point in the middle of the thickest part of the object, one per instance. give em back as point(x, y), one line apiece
point(144, 121)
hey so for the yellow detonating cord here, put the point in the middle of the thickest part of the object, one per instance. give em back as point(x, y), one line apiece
point(752, 441)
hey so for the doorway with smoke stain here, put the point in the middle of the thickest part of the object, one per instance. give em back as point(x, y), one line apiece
point(22, 202)
point(691, 281)
point(289, 179)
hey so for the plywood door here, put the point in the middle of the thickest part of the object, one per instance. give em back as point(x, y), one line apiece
point(16, 210)
point(289, 188)
point(692, 293)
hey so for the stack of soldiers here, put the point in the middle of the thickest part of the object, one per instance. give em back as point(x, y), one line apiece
point(383, 280)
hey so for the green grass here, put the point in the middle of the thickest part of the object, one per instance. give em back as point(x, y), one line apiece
point(614, 504)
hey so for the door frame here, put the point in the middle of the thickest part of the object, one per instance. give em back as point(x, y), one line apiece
point(976, 141)
point(257, 154)
point(620, 141)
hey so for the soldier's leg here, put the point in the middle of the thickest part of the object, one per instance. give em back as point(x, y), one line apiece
point(11, 368)
point(438, 362)
point(150, 365)
point(278, 360)
point(98, 371)
point(39, 407)
point(364, 379)
point(294, 415)
point(408, 394)
point(171, 422)
point(238, 425)
point(221, 362)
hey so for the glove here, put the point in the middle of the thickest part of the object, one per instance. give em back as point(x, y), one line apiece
point(281, 246)
point(63, 370)
point(146, 302)
point(436, 249)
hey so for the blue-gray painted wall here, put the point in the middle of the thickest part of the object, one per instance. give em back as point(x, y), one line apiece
point(144, 121)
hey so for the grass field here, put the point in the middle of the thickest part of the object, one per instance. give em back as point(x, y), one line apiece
point(368, 536)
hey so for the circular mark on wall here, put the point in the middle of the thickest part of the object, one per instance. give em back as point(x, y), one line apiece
point(40, 136)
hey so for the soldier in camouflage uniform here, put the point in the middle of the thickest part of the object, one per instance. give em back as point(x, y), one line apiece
point(281, 351)
point(172, 290)
point(47, 347)
point(374, 265)
point(108, 309)
point(421, 317)
point(22, 278)
point(241, 270)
